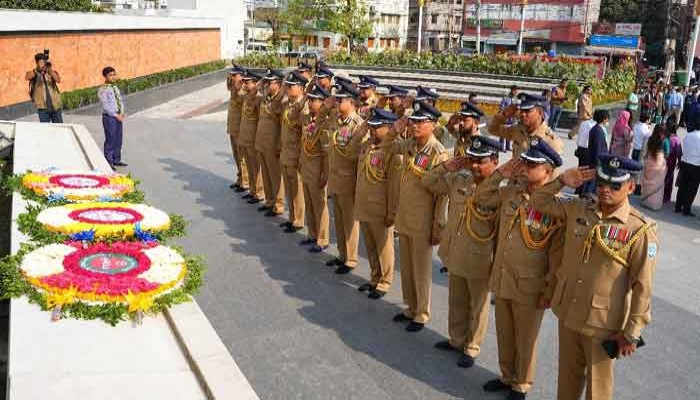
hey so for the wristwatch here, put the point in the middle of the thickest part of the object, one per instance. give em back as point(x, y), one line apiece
point(632, 340)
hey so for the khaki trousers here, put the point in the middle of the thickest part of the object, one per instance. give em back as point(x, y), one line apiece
point(295, 195)
point(254, 177)
point(379, 241)
point(468, 316)
point(582, 359)
point(239, 161)
point(272, 180)
point(517, 327)
point(416, 275)
point(347, 229)
point(317, 217)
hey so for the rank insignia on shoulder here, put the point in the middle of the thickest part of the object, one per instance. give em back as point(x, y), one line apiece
point(503, 183)
point(652, 249)
point(565, 198)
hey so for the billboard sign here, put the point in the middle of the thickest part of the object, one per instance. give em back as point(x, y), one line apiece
point(628, 29)
point(629, 42)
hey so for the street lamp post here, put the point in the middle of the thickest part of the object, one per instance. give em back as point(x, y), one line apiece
point(478, 27)
point(522, 27)
point(420, 23)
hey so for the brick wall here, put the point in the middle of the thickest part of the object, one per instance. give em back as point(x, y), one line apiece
point(80, 56)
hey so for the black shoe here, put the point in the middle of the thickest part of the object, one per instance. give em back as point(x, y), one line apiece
point(317, 249)
point(291, 229)
point(247, 196)
point(515, 395)
point(334, 262)
point(343, 269)
point(307, 241)
point(400, 317)
point(365, 287)
point(414, 326)
point(445, 345)
point(376, 294)
point(264, 208)
point(466, 361)
point(233, 186)
point(689, 214)
point(285, 224)
point(254, 201)
point(121, 164)
point(271, 213)
point(240, 189)
point(495, 386)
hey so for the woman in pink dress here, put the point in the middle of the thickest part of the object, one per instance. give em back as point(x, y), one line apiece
point(654, 173)
point(621, 140)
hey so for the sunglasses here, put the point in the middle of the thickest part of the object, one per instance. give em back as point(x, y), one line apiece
point(612, 185)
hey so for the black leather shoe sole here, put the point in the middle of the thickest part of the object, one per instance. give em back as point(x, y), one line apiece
point(466, 361)
point(247, 196)
point(285, 224)
point(334, 262)
point(254, 201)
point(444, 345)
point(376, 294)
point(263, 208)
point(292, 229)
point(515, 395)
point(495, 385)
point(365, 287)
point(271, 213)
point(400, 318)
point(342, 270)
point(414, 326)
point(240, 189)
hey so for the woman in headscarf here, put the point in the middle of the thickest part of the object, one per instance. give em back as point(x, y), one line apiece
point(622, 137)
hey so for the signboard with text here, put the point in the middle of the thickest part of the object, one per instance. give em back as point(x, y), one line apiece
point(629, 42)
point(624, 29)
point(486, 23)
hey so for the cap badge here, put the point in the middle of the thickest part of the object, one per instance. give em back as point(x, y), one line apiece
point(534, 142)
point(614, 163)
point(476, 143)
point(416, 107)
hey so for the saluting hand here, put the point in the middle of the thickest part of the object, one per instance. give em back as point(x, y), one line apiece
point(577, 176)
point(455, 163)
point(512, 168)
point(510, 111)
point(625, 348)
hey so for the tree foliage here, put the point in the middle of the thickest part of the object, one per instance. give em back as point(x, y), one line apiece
point(350, 18)
point(650, 13)
point(49, 5)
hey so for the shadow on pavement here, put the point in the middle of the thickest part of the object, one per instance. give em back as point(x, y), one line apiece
point(331, 301)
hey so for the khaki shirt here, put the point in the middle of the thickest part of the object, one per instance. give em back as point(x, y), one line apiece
point(39, 92)
point(290, 136)
point(523, 246)
point(365, 107)
point(235, 106)
point(521, 139)
point(249, 119)
point(421, 214)
point(602, 286)
point(267, 137)
point(373, 191)
point(343, 151)
point(470, 234)
point(314, 148)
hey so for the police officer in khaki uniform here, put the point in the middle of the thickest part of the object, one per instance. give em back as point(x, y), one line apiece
point(234, 84)
point(463, 126)
point(373, 206)
point(420, 216)
point(531, 123)
point(521, 263)
point(602, 290)
point(250, 111)
point(471, 244)
point(294, 108)
point(343, 152)
point(401, 105)
point(324, 78)
point(431, 96)
point(305, 70)
point(314, 166)
point(368, 96)
point(268, 145)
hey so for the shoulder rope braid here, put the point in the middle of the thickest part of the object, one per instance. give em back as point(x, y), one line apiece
point(417, 171)
point(341, 149)
point(465, 224)
point(594, 235)
point(530, 242)
point(374, 175)
point(460, 150)
point(310, 144)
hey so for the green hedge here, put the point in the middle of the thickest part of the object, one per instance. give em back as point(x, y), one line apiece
point(49, 5)
point(83, 97)
point(260, 60)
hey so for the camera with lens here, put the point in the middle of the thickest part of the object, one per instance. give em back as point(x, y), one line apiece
point(46, 57)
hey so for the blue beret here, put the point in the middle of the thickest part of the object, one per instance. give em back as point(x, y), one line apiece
point(324, 72)
point(425, 93)
point(303, 67)
point(236, 69)
point(344, 90)
point(367, 82)
point(317, 92)
point(541, 152)
point(381, 117)
point(528, 101)
point(470, 110)
point(249, 75)
point(423, 111)
point(296, 78)
point(395, 91)
point(273, 75)
point(483, 146)
point(616, 169)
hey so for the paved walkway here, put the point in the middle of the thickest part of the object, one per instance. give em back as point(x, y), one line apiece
point(298, 331)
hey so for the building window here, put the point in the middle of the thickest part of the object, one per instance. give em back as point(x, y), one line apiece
point(433, 18)
point(458, 20)
point(413, 19)
point(431, 43)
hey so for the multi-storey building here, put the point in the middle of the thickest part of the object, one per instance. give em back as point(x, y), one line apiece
point(561, 25)
point(390, 23)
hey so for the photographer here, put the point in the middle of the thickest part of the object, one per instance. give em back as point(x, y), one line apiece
point(43, 89)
